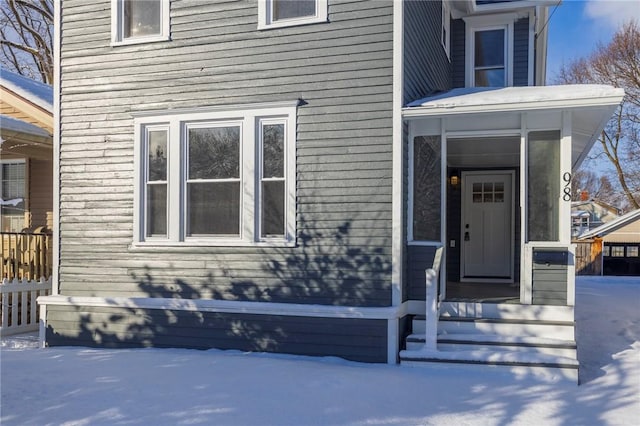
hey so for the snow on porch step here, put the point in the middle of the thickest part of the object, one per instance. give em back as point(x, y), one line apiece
point(563, 330)
point(518, 362)
point(507, 311)
point(488, 342)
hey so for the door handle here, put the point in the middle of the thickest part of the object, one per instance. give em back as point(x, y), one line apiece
point(466, 236)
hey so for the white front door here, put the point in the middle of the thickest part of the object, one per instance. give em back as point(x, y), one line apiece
point(487, 225)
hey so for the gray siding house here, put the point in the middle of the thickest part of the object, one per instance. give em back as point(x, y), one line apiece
point(278, 176)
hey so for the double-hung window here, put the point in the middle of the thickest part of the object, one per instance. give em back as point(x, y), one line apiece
point(489, 58)
point(286, 13)
point(139, 21)
point(489, 47)
point(12, 194)
point(216, 177)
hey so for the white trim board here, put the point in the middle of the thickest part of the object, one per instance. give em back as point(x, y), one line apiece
point(230, 306)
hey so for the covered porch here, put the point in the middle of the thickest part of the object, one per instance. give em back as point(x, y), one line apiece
point(489, 190)
point(490, 181)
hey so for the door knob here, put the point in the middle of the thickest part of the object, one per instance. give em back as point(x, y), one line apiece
point(466, 236)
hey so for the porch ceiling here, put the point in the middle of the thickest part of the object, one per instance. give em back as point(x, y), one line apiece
point(483, 152)
point(591, 106)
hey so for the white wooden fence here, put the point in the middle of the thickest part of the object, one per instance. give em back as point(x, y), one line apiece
point(20, 312)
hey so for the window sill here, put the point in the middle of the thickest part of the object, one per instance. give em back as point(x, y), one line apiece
point(158, 246)
point(293, 23)
point(140, 40)
point(425, 243)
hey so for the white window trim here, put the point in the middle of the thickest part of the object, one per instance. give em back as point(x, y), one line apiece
point(265, 16)
point(250, 118)
point(446, 26)
point(144, 174)
point(485, 23)
point(117, 29)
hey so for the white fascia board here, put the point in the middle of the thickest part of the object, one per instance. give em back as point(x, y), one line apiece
point(228, 306)
point(559, 104)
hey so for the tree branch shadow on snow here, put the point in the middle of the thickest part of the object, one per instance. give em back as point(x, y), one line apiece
point(331, 266)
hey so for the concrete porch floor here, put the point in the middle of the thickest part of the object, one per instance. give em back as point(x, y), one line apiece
point(483, 292)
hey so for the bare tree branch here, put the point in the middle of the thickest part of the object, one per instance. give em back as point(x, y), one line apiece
point(618, 64)
point(26, 39)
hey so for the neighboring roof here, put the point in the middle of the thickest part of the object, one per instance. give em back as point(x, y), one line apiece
point(580, 213)
point(609, 207)
point(612, 226)
point(9, 124)
point(38, 93)
point(527, 97)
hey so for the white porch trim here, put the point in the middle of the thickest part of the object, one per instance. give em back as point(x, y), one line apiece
point(397, 215)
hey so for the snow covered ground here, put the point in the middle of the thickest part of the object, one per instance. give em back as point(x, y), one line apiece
point(77, 386)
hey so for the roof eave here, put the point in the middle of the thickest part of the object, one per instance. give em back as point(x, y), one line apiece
point(444, 110)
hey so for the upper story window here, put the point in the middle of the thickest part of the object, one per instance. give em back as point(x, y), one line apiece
point(218, 177)
point(285, 13)
point(139, 21)
point(445, 36)
point(489, 58)
point(489, 43)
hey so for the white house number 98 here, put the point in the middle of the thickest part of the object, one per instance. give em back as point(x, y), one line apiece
point(566, 196)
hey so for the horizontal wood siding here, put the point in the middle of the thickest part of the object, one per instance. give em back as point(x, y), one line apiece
point(419, 259)
point(521, 52)
point(40, 191)
point(342, 70)
point(354, 339)
point(426, 66)
point(458, 48)
point(549, 280)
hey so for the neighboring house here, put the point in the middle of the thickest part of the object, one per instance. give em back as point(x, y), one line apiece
point(277, 176)
point(26, 153)
point(590, 214)
point(620, 244)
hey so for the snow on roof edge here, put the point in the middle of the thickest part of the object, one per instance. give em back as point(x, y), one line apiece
point(478, 96)
point(39, 93)
point(16, 125)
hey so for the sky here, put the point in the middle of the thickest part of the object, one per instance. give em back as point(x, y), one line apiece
point(576, 27)
point(82, 386)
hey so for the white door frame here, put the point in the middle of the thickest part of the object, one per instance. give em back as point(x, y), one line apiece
point(512, 174)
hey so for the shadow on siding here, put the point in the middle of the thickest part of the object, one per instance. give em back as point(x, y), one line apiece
point(325, 266)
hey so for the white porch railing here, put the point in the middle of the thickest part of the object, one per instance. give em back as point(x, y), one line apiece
point(432, 302)
point(20, 313)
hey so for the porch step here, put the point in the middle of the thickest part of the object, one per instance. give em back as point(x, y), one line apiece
point(541, 365)
point(507, 311)
point(522, 338)
point(488, 342)
point(561, 330)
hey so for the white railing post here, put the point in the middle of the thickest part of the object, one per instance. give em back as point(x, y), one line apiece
point(432, 302)
point(431, 319)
